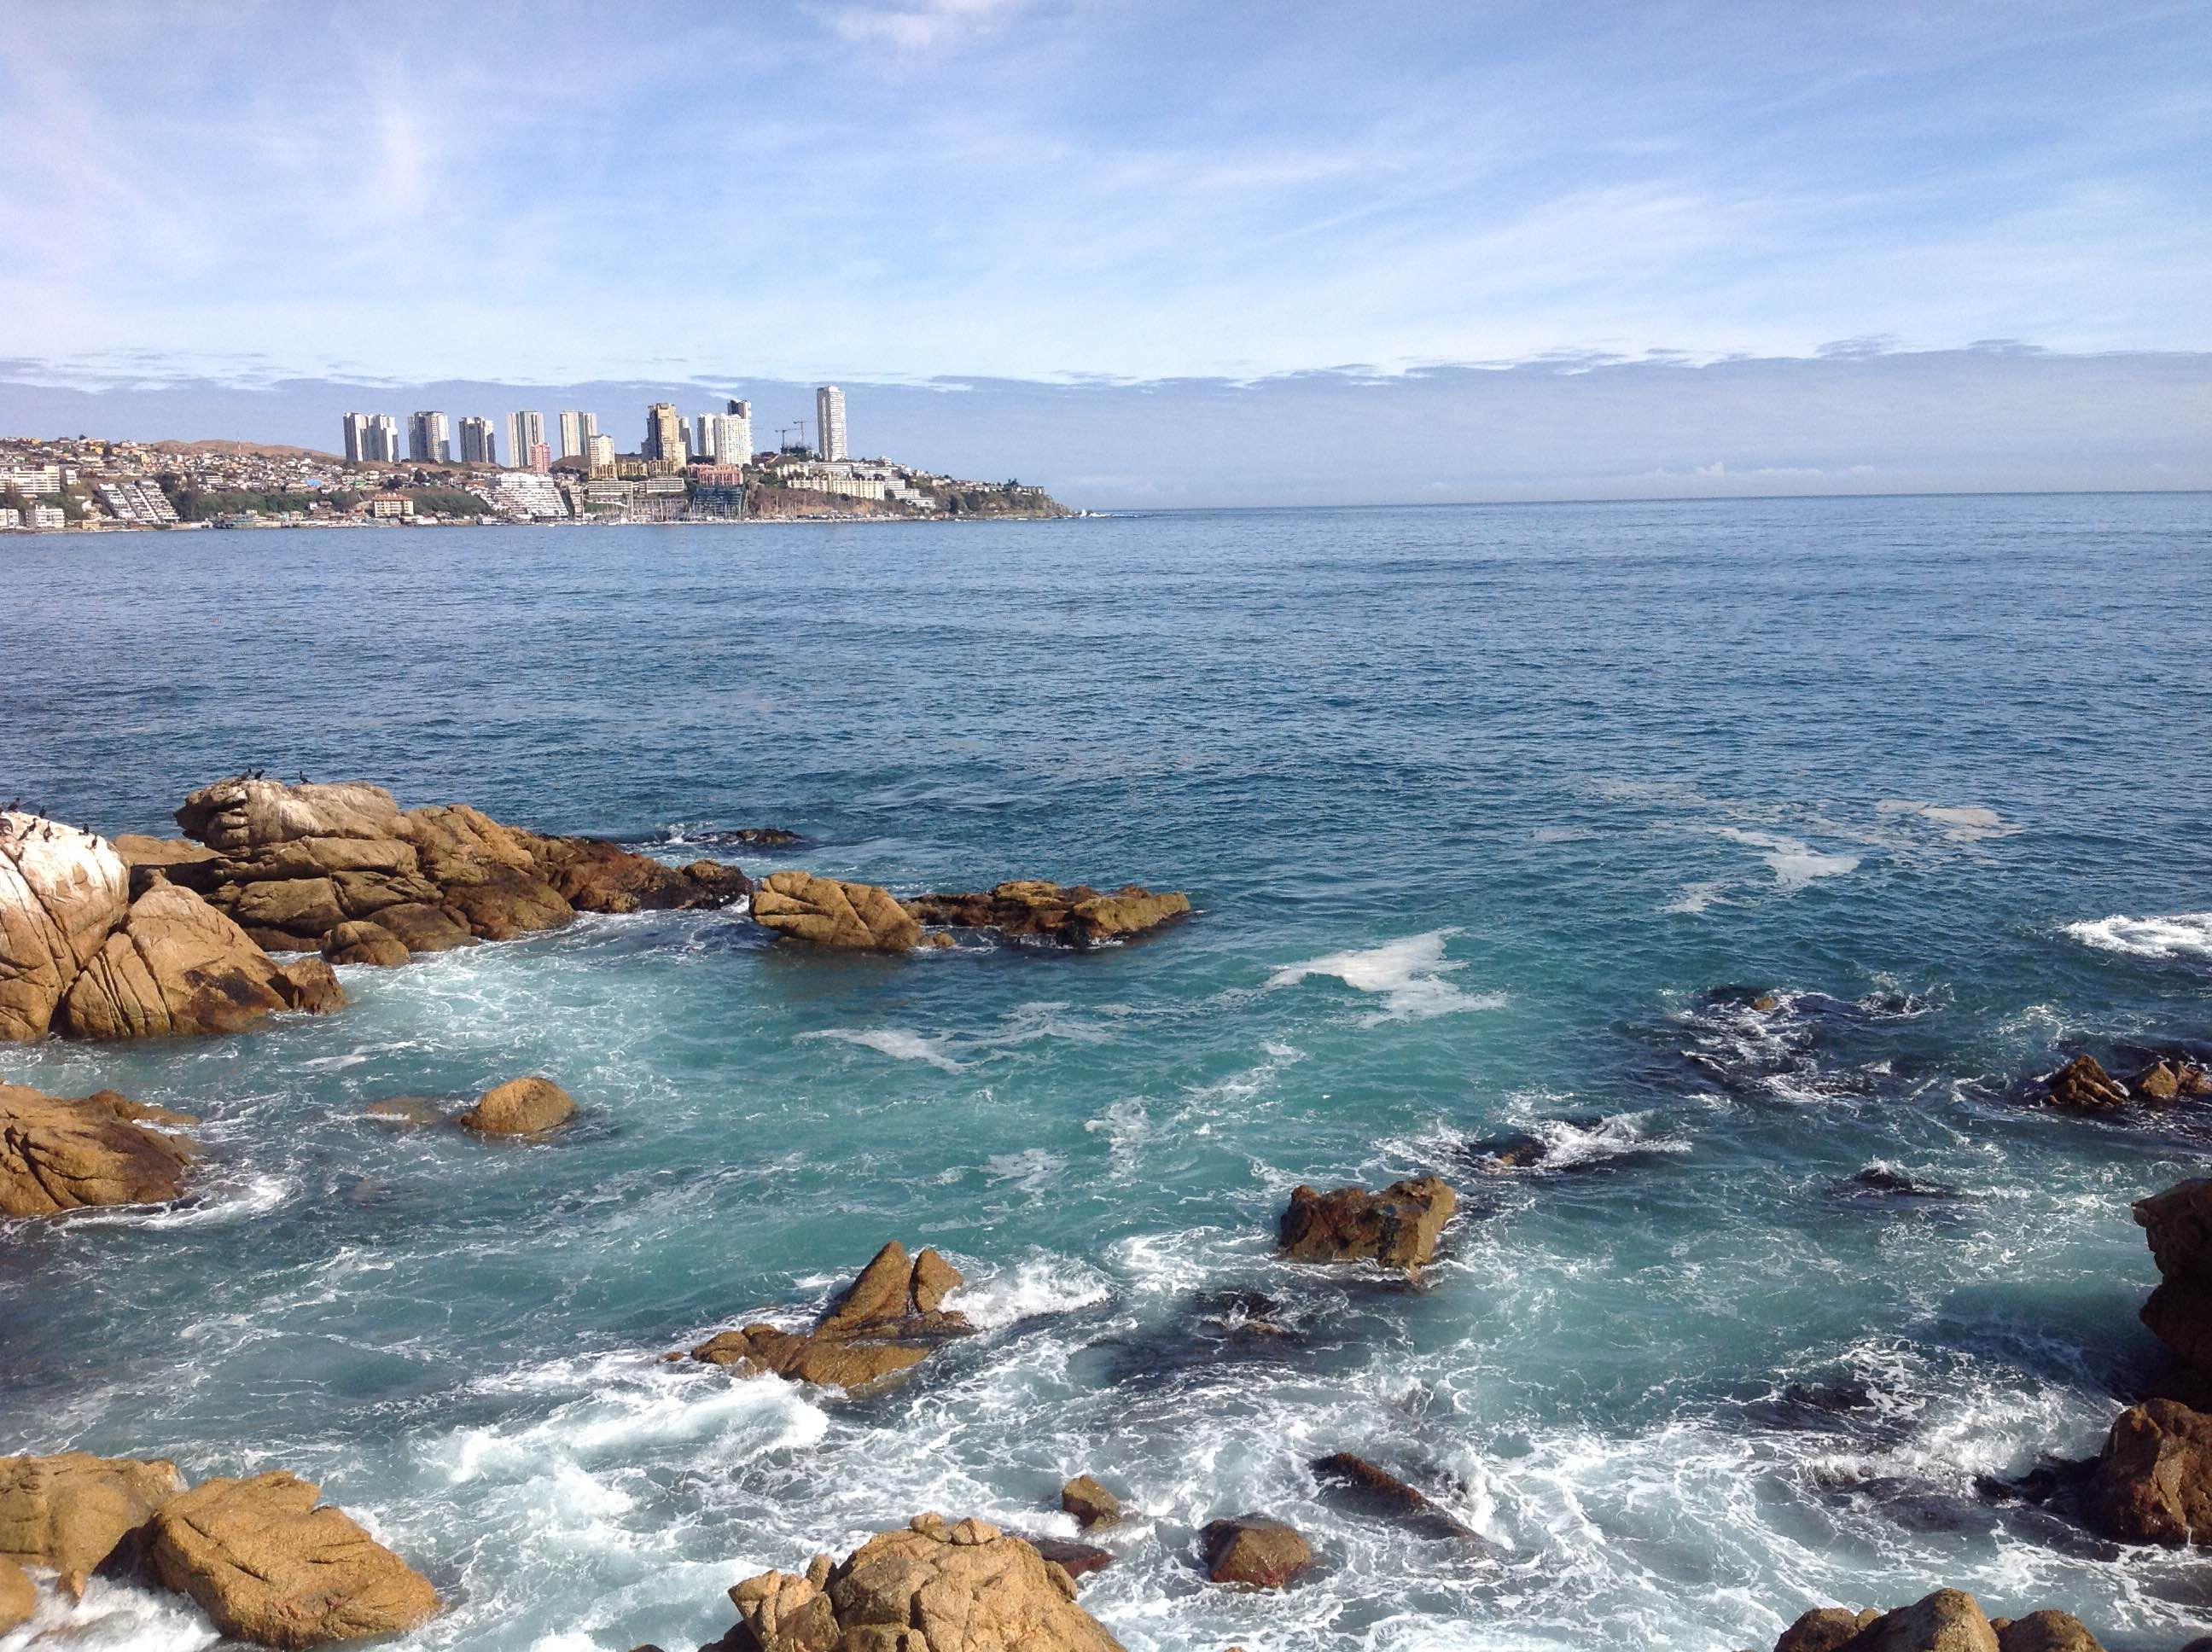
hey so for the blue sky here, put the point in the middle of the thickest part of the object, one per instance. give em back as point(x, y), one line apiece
point(1036, 191)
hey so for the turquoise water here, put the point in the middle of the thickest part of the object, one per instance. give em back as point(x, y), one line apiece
point(1488, 814)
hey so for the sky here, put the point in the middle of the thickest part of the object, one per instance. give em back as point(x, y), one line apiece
point(1442, 249)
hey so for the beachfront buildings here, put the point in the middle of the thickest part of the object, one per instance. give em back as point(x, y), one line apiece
point(830, 422)
point(577, 429)
point(429, 438)
point(725, 438)
point(665, 438)
point(477, 447)
point(525, 433)
point(372, 438)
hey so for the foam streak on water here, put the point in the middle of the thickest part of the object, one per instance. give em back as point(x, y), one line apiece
point(1693, 885)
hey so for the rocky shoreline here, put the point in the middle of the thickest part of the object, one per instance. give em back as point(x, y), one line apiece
point(242, 919)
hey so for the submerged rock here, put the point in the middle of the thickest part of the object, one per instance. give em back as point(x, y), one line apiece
point(269, 1564)
point(520, 1107)
point(1091, 1503)
point(2153, 1481)
point(2177, 1224)
point(1397, 1227)
point(1072, 914)
point(1076, 1559)
point(70, 1511)
point(935, 1586)
point(888, 1319)
point(854, 917)
point(1255, 1551)
point(58, 1155)
point(1361, 1486)
point(62, 891)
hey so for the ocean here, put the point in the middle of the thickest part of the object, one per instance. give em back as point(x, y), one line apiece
point(1496, 821)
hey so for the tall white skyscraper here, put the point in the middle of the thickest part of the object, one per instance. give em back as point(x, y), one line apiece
point(371, 439)
point(429, 440)
point(830, 422)
point(577, 430)
point(476, 442)
point(741, 440)
point(525, 432)
point(725, 438)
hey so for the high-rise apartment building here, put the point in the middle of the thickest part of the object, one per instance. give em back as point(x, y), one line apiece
point(725, 438)
point(740, 415)
point(476, 442)
point(830, 422)
point(664, 436)
point(541, 457)
point(429, 438)
point(526, 432)
point(577, 430)
point(599, 454)
point(372, 438)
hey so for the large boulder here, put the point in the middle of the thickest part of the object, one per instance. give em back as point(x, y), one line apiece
point(61, 891)
point(360, 940)
point(1091, 1503)
point(1824, 1629)
point(1072, 914)
point(827, 912)
point(268, 1565)
point(888, 1319)
point(505, 904)
point(58, 1155)
point(2153, 1481)
point(2044, 1631)
point(1948, 1620)
point(19, 1596)
point(1254, 1551)
point(69, 1512)
point(1397, 1227)
point(2083, 1085)
point(247, 812)
point(936, 1586)
point(421, 927)
point(520, 1107)
point(595, 875)
point(310, 986)
point(2178, 1222)
point(174, 966)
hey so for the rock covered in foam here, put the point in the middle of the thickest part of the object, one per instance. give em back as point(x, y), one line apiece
point(937, 1586)
point(888, 1320)
point(270, 1563)
point(58, 1155)
point(70, 1511)
point(1072, 914)
point(62, 891)
point(1398, 1227)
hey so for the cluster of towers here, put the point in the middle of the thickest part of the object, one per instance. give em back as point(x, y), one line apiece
point(724, 438)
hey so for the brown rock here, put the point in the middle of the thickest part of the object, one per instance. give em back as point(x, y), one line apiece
point(61, 891)
point(58, 1155)
point(520, 1107)
point(361, 941)
point(19, 1595)
point(246, 813)
point(935, 1586)
point(1949, 1621)
point(1254, 1551)
point(302, 907)
point(507, 904)
point(1397, 1227)
point(1072, 914)
point(2047, 1631)
point(270, 1566)
point(421, 927)
point(71, 1511)
point(456, 844)
point(179, 860)
point(2177, 1224)
point(595, 875)
point(828, 912)
point(2084, 1085)
point(174, 966)
point(2153, 1482)
point(886, 1321)
point(1824, 1629)
point(309, 986)
point(1091, 1503)
point(1378, 1491)
point(1076, 1559)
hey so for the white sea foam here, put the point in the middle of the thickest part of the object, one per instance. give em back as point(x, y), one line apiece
point(1408, 975)
point(2185, 935)
point(255, 1193)
point(113, 1617)
point(1695, 898)
point(1965, 823)
point(1794, 863)
point(894, 1042)
point(1041, 1284)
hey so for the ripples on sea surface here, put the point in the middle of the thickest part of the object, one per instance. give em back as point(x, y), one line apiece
point(1479, 807)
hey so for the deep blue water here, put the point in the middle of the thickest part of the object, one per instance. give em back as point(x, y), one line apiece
point(1481, 809)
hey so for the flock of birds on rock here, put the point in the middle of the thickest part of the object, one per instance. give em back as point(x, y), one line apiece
point(42, 829)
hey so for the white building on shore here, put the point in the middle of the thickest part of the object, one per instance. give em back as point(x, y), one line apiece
point(829, 423)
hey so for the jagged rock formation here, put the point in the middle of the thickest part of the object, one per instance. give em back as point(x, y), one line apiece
point(1397, 1227)
point(2177, 1224)
point(854, 917)
point(268, 1565)
point(2083, 1085)
point(1072, 914)
point(70, 1511)
point(344, 870)
point(1948, 1620)
point(888, 1320)
point(935, 1586)
point(2153, 1481)
point(59, 1155)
